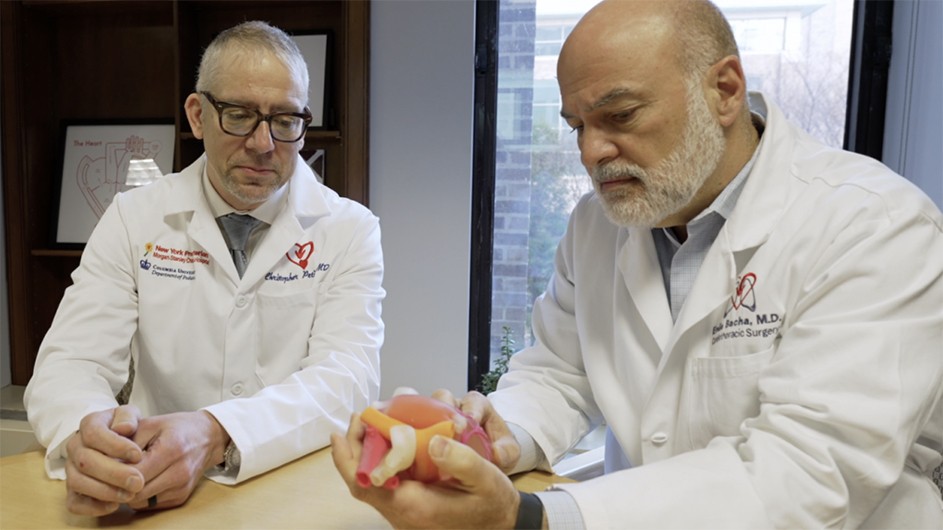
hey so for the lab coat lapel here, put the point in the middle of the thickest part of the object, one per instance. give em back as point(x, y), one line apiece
point(280, 239)
point(206, 233)
point(304, 205)
point(712, 288)
point(638, 263)
point(188, 201)
point(720, 272)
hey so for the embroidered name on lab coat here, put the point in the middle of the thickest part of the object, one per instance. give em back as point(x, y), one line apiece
point(285, 277)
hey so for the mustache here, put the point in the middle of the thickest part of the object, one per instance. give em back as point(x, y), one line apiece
point(617, 171)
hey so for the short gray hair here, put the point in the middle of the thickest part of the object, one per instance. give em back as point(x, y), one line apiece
point(705, 35)
point(251, 37)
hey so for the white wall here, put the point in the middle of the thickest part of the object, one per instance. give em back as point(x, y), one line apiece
point(421, 100)
point(913, 129)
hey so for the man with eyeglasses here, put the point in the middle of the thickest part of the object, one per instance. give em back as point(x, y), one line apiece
point(238, 301)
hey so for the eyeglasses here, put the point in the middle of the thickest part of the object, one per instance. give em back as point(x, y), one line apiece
point(243, 121)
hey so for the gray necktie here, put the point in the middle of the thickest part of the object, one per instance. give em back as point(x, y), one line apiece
point(236, 228)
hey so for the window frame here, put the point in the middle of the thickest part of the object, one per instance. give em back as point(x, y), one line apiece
point(483, 185)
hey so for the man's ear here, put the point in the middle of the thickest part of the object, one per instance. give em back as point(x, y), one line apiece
point(730, 87)
point(194, 109)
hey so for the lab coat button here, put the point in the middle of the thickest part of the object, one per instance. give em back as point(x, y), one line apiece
point(659, 438)
point(236, 389)
point(240, 301)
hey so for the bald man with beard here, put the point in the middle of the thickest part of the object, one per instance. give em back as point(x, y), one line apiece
point(750, 312)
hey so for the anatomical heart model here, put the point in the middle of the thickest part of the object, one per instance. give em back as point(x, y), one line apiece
point(396, 444)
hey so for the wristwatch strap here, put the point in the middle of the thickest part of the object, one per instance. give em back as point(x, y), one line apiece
point(530, 513)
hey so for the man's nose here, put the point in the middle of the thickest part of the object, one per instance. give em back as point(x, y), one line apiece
point(261, 138)
point(596, 147)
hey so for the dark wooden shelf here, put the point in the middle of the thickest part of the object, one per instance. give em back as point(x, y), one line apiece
point(100, 7)
point(56, 253)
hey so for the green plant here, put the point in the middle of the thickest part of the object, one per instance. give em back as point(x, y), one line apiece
point(489, 381)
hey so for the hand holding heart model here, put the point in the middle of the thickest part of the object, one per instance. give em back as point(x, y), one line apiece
point(398, 431)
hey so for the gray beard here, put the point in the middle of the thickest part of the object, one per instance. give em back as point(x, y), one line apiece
point(671, 184)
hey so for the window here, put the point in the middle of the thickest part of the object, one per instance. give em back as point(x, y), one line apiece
point(797, 52)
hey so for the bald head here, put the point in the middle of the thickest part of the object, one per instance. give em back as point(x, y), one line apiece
point(657, 95)
point(694, 31)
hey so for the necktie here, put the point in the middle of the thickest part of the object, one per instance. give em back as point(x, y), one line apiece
point(236, 228)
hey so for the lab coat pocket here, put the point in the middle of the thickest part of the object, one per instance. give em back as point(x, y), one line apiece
point(722, 392)
point(285, 326)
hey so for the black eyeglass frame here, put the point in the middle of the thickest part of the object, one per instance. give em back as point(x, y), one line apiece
point(220, 106)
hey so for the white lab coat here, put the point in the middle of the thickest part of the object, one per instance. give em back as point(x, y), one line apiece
point(296, 340)
point(801, 383)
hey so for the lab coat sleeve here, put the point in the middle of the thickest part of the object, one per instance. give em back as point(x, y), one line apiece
point(340, 375)
point(84, 358)
point(855, 378)
point(546, 391)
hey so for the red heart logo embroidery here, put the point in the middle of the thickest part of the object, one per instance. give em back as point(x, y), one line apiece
point(299, 256)
point(745, 293)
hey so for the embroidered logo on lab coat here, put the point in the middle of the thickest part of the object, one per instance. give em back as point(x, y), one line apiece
point(300, 254)
point(741, 319)
point(744, 296)
point(173, 263)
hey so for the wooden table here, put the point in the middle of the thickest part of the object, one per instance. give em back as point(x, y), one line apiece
point(307, 493)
